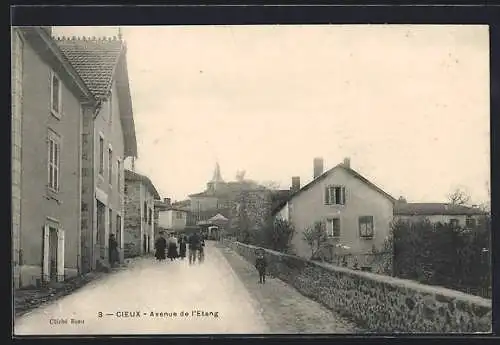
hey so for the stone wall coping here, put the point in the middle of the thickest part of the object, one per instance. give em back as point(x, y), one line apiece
point(403, 283)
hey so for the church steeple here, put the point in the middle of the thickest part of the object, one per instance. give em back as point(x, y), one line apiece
point(217, 175)
point(216, 179)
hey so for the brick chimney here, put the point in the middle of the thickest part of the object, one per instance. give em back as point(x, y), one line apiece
point(295, 184)
point(347, 162)
point(166, 201)
point(318, 167)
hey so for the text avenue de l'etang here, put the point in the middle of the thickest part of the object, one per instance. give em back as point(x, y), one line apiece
point(162, 314)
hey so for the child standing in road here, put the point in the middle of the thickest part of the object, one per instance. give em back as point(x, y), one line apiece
point(261, 264)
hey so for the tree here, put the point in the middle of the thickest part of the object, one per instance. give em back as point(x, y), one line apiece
point(459, 197)
point(315, 236)
point(240, 175)
point(278, 234)
point(272, 185)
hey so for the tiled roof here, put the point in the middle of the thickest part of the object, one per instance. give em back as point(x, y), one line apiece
point(325, 174)
point(432, 209)
point(94, 60)
point(43, 43)
point(133, 176)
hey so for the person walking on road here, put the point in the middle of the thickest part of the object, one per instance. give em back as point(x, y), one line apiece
point(160, 246)
point(172, 248)
point(194, 245)
point(261, 264)
point(182, 247)
point(201, 250)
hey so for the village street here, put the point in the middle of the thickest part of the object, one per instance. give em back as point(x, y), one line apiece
point(221, 295)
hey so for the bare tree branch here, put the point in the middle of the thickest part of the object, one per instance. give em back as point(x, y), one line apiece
point(459, 197)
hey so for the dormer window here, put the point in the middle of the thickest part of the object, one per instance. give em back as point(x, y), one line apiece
point(55, 95)
point(334, 195)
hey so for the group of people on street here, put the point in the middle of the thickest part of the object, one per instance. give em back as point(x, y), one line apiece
point(173, 247)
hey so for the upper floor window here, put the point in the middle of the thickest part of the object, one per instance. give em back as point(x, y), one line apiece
point(119, 174)
point(335, 195)
point(145, 214)
point(150, 218)
point(101, 155)
point(54, 149)
point(366, 227)
point(178, 215)
point(110, 108)
point(55, 95)
point(454, 222)
point(110, 165)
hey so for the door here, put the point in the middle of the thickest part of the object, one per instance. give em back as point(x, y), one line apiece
point(101, 230)
point(119, 232)
point(144, 244)
point(53, 248)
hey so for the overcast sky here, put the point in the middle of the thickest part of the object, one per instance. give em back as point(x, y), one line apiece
point(408, 104)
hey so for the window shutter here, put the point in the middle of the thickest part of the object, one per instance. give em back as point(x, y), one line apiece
point(45, 268)
point(60, 254)
point(343, 196)
point(327, 196)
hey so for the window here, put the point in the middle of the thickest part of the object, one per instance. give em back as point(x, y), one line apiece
point(335, 195)
point(118, 228)
point(333, 227)
point(470, 222)
point(150, 218)
point(178, 215)
point(55, 95)
point(119, 174)
point(366, 227)
point(454, 222)
point(110, 108)
point(54, 149)
point(101, 155)
point(110, 166)
point(110, 220)
point(145, 210)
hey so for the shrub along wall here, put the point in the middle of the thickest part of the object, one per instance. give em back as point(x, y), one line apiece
point(379, 303)
point(444, 255)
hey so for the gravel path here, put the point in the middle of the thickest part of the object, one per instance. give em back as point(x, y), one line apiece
point(284, 309)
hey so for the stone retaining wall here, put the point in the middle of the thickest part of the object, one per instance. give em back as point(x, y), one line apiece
point(379, 303)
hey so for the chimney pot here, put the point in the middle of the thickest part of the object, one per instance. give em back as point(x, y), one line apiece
point(295, 183)
point(347, 162)
point(318, 167)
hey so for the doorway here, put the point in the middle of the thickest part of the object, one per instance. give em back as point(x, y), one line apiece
point(53, 248)
point(101, 230)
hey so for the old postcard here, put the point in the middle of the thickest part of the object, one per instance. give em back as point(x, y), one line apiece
point(256, 179)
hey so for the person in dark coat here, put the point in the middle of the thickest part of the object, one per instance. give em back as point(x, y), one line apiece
point(172, 248)
point(261, 265)
point(182, 247)
point(160, 246)
point(194, 245)
point(113, 250)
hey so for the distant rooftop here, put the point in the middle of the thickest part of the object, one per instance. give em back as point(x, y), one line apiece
point(433, 209)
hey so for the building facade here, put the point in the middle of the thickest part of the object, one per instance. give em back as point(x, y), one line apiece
point(139, 226)
point(355, 213)
point(48, 98)
point(173, 219)
point(463, 216)
point(108, 138)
